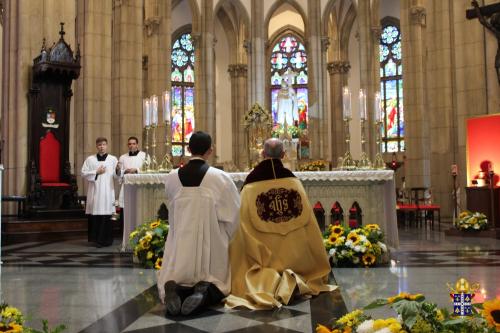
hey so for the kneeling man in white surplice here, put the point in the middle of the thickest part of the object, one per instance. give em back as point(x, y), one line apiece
point(203, 213)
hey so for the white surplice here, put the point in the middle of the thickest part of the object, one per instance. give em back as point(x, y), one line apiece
point(202, 222)
point(129, 162)
point(101, 189)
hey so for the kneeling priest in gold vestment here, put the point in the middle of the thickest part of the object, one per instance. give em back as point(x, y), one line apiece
point(278, 250)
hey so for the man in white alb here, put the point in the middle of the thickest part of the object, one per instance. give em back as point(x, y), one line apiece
point(130, 162)
point(99, 170)
point(203, 213)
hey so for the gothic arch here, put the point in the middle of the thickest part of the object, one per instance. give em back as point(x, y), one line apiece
point(195, 12)
point(340, 30)
point(345, 31)
point(292, 3)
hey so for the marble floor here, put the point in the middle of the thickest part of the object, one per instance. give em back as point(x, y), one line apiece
point(100, 290)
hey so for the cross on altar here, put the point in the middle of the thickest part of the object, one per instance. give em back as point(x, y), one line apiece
point(489, 16)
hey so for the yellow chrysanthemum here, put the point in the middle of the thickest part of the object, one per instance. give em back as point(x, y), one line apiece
point(368, 259)
point(337, 230)
point(439, 315)
point(10, 312)
point(158, 263)
point(133, 234)
point(404, 295)
point(491, 312)
point(322, 329)
point(340, 241)
point(350, 318)
point(463, 214)
point(149, 255)
point(154, 224)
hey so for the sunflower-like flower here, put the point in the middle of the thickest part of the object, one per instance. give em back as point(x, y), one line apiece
point(13, 328)
point(333, 238)
point(336, 229)
point(372, 227)
point(354, 237)
point(154, 224)
point(158, 263)
point(404, 295)
point(491, 312)
point(368, 259)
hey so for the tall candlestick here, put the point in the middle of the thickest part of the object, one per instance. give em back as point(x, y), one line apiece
point(362, 104)
point(166, 107)
point(154, 110)
point(145, 112)
point(346, 103)
point(377, 107)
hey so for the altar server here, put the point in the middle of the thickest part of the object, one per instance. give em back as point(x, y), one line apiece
point(203, 207)
point(278, 250)
point(129, 163)
point(99, 170)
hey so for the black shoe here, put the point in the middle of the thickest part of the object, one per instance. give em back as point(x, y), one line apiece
point(172, 299)
point(196, 301)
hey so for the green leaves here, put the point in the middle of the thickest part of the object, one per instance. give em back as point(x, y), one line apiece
point(376, 304)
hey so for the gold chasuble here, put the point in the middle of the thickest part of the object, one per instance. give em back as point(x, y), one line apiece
point(278, 247)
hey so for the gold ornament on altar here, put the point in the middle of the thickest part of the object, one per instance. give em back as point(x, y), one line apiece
point(258, 123)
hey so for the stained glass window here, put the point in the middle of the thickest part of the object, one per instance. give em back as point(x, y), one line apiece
point(182, 79)
point(391, 87)
point(289, 55)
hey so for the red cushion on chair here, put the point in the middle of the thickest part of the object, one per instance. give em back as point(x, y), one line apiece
point(429, 207)
point(55, 185)
point(50, 154)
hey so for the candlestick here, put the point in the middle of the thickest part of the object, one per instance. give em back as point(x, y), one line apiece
point(379, 162)
point(145, 112)
point(154, 110)
point(346, 103)
point(377, 107)
point(166, 107)
point(362, 104)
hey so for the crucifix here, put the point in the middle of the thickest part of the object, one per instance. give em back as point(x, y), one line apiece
point(489, 16)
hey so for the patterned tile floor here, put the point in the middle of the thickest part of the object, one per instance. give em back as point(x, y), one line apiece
point(100, 290)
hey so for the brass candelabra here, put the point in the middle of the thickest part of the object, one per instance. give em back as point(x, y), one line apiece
point(379, 162)
point(347, 161)
point(166, 163)
point(364, 161)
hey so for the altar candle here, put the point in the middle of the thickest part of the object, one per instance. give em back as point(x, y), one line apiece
point(166, 107)
point(346, 102)
point(145, 112)
point(377, 107)
point(362, 104)
point(154, 110)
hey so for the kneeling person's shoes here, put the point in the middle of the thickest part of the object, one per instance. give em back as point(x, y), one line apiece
point(172, 299)
point(196, 301)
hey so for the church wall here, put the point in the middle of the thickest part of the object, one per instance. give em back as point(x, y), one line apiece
point(223, 141)
point(285, 15)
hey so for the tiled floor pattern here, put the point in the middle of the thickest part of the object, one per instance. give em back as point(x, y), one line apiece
point(100, 290)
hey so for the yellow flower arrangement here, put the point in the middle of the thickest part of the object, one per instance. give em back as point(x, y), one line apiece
point(351, 318)
point(148, 241)
point(318, 165)
point(336, 229)
point(372, 227)
point(353, 236)
point(322, 329)
point(471, 221)
point(491, 312)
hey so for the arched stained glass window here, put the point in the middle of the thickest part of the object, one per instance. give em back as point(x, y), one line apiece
point(289, 55)
point(182, 79)
point(391, 87)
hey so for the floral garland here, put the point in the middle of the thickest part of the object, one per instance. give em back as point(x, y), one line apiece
point(362, 246)
point(471, 221)
point(148, 241)
point(415, 315)
point(12, 321)
point(318, 165)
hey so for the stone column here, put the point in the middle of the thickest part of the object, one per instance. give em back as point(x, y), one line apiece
point(238, 73)
point(158, 34)
point(413, 23)
point(257, 55)
point(205, 71)
point(126, 99)
point(369, 36)
point(338, 71)
point(317, 119)
point(93, 88)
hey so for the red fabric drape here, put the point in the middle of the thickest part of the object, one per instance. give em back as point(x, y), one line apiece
point(50, 155)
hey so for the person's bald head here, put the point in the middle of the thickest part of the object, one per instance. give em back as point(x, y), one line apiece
point(273, 148)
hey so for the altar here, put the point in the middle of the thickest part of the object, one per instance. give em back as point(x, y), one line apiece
point(373, 190)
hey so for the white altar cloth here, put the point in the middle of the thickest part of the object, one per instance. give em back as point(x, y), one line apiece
point(374, 190)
